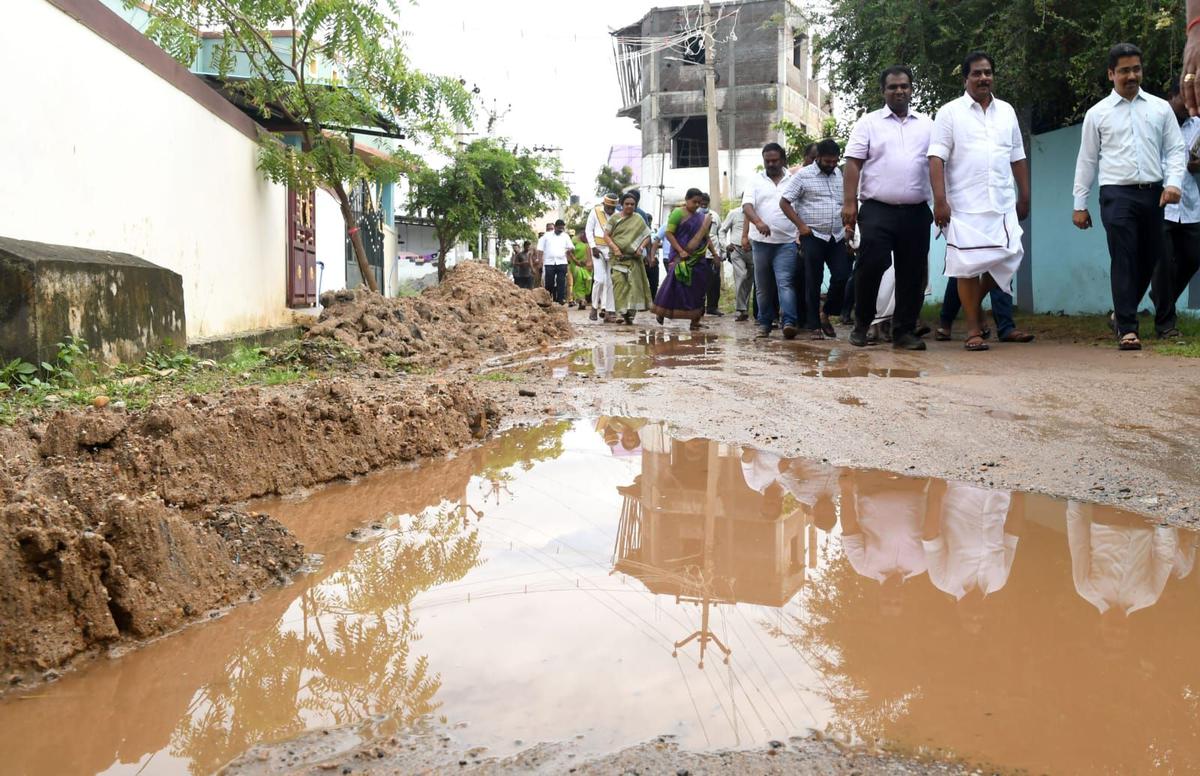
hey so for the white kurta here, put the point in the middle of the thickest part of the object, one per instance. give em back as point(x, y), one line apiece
point(972, 551)
point(602, 285)
point(979, 147)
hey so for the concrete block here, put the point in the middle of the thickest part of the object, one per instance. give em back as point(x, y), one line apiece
point(123, 306)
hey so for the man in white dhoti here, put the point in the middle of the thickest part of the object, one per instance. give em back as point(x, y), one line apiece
point(975, 153)
point(603, 301)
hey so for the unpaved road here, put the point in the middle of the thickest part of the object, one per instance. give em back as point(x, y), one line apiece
point(1072, 421)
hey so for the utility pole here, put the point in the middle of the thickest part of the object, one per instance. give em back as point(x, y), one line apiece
point(710, 108)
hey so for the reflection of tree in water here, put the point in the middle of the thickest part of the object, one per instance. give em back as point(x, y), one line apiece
point(522, 449)
point(342, 652)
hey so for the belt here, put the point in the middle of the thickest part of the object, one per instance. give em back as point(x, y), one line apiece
point(889, 204)
point(1138, 186)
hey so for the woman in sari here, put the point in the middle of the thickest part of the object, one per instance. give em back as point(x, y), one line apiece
point(580, 272)
point(627, 235)
point(682, 292)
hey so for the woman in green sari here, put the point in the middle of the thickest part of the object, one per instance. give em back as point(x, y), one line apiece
point(628, 236)
point(580, 267)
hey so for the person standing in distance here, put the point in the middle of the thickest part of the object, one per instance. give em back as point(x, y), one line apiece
point(773, 241)
point(554, 248)
point(1133, 140)
point(887, 167)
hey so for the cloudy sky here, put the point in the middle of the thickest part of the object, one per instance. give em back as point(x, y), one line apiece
point(551, 61)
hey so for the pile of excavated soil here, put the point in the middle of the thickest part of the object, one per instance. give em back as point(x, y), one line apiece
point(95, 547)
point(476, 312)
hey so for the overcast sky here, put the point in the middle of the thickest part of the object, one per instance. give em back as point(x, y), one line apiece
point(550, 60)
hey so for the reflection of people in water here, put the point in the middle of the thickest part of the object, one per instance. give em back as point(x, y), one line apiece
point(881, 532)
point(1121, 562)
point(812, 484)
point(971, 536)
point(622, 435)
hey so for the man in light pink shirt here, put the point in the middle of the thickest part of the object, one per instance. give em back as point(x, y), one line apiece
point(887, 168)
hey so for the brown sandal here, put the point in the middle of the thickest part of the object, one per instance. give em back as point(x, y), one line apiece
point(975, 343)
point(1016, 335)
point(1129, 342)
point(941, 334)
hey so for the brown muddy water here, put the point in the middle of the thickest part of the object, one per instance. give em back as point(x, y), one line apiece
point(653, 349)
point(609, 580)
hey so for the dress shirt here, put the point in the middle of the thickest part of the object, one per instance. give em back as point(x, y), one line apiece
point(895, 156)
point(808, 482)
point(1131, 141)
point(1187, 210)
point(765, 194)
point(1120, 565)
point(889, 543)
point(817, 198)
point(554, 248)
point(972, 551)
point(731, 228)
point(761, 471)
point(979, 147)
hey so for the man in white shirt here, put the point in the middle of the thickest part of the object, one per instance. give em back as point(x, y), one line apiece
point(1133, 139)
point(554, 247)
point(735, 236)
point(887, 167)
point(603, 300)
point(1182, 220)
point(975, 153)
point(773, 241)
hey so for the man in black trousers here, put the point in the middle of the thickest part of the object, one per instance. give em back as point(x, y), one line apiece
point(1133, 140)
point(887, 167)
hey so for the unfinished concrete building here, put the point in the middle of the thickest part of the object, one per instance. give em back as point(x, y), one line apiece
point(763, 57)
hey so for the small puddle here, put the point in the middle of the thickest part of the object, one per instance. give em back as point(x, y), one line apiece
point(609, 579)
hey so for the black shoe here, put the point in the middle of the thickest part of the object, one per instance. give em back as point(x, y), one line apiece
point(859, 339)
point(790, 331)
point(742, 317)
point(908, 341)
point(923, 330)
point(717, 313)
point(762, 333)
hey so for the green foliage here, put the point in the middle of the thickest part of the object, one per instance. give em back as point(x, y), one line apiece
point(16, 373)
point(1050, 55)
point(798, 139)
point(615, 181)
point(486, 186)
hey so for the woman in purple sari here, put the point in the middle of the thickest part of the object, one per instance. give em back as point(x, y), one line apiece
point(682, 293)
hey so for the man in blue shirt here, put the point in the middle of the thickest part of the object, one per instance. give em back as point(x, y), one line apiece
point(1182, 223)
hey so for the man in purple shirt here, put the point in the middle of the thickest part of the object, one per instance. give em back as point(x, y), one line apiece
point(887, 168)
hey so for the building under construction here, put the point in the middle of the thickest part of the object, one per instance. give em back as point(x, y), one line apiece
point(762, 56)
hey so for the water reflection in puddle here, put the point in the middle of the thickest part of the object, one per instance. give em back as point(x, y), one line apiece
point(572, 578)
point(657, 349)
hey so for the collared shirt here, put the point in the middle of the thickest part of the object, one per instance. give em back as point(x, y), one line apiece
point(554, 248)
point(1187, 211)
point(731, 228)
point(764, 195)
point(889, 542)
point(979, 147)
point(1130, 141)
point(817, 198)
point(972, 551)
point(895, 156)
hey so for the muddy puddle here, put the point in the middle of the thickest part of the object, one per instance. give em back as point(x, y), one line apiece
point(652, 350)
point(608, 579)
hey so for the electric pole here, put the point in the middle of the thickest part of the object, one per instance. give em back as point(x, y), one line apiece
point(710, 108)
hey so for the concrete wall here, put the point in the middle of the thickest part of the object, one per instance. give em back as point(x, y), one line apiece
point(100, 151)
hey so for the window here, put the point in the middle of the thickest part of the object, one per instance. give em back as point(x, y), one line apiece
point(689, 142)
point(693, 49)
point(800, 52)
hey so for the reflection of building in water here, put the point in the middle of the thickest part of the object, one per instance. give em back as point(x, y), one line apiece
point(691, 527)
point(1121, 562)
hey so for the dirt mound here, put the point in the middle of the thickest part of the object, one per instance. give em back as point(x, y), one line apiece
point(94, 547)
point(476, 312)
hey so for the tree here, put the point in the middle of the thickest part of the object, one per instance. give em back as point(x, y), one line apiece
point(486, 185)
point(341, 69)
point(1049, 54)
point(610, 180)
point(798, 139)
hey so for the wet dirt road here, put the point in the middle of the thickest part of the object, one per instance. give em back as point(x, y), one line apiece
point(603, 581)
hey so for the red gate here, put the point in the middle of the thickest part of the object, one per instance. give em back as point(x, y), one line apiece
point(302, 250)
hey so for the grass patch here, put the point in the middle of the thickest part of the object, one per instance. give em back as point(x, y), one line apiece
point(499, 377)
point(77, 379)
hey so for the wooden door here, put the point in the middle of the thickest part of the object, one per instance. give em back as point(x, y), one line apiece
point(302, 249)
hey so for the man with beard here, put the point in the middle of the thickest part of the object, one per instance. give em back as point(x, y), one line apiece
point(773, 241)
point(554, 248)
point(813, 202)
point(1132, 139)
point(603, 301)
point(887, 167)
point(975, 154)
